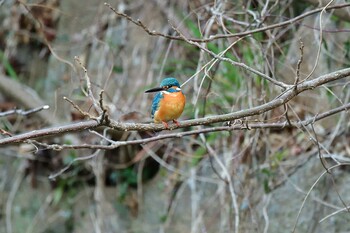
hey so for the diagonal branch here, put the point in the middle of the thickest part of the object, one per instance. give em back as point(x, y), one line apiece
point(121, 126)
point(279, 125)
point(51, 131)
point(282, 99)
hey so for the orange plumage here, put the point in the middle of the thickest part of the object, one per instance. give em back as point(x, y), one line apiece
point(168, 104)
point(170, 108)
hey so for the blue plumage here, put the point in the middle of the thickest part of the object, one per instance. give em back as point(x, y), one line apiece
point(155, 103)
point(169, 82)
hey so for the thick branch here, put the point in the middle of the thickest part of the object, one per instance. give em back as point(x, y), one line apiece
point(56, 130)
point(120, 126)
point(282, 99)
point(278, 125)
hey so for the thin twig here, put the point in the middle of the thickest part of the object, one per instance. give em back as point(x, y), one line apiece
point(23, 112)
point(334, 213)
point(234, 63)
point(338, 193)
point(228, 181)
point(297, 78)
point(222, 36)
point(320, 45)
point(267, 198)
point(82, 112)
point(88, 85)
point(286, 114)
point(211, 156)
point(53, 176)
point(4, 132)
point(309, 192)
point(315, 139)
point(104, 119)
point(17, 179)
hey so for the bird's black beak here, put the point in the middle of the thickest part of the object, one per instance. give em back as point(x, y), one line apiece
point(156, 89)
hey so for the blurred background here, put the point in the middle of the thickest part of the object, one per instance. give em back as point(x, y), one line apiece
point(246, 181)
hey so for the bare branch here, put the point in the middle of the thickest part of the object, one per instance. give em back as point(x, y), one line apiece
point(320, 45)
point(86, 114)
point(88, 84)
point(4, 132)
point(315, 140)
point(122, 126)
point(23, 112)
point(334, 213)
point(301, 48)
point(53, 176)
point(221, 36)
point(246, 126)
point(57, 130)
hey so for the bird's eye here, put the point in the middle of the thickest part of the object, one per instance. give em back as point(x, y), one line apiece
point(166, 87)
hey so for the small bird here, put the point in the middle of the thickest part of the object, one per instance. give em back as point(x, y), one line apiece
point(168, 104)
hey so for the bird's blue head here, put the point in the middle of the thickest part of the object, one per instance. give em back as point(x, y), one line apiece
point(166, 85)
point(169, 82)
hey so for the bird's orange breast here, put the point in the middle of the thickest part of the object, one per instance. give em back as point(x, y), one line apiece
point(171, 107)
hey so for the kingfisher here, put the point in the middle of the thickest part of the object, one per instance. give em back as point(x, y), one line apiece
point(168, 104)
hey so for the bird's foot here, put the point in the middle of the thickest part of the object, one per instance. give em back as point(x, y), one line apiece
point(165, 124)
point(176, 122)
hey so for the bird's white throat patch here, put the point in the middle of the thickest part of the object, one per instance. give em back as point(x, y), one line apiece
point(167, 92)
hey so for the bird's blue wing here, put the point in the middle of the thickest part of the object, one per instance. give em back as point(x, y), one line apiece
point(155, 103)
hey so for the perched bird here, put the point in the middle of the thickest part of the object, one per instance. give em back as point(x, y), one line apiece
point(168, 104)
